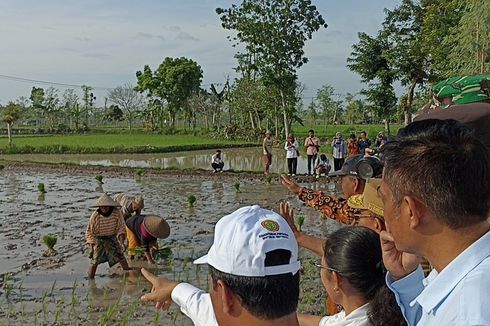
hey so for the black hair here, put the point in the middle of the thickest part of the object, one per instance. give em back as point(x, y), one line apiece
point(355, 252)
point(218, 151)
point(268, 297)
point(311, 130)
point(441, 163)
point(323, 157)
point(352, 136)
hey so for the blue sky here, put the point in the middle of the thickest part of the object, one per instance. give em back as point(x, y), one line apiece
point(103, 43)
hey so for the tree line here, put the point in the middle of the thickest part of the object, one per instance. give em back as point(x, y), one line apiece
point(419, 42)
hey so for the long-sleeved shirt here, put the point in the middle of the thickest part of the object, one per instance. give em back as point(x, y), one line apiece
point(100, 226)
point(312, 144)
point(458, 295)
point(291, 149)
point(332, 207)
point(195, 304)
point(339, 148)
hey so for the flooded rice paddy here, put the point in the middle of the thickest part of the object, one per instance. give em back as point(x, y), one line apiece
point(54, 290)
point(237, 159)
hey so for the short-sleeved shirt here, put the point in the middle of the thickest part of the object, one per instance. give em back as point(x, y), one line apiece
point(267, 146)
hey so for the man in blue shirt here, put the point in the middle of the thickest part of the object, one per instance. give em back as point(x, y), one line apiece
point(436, 194)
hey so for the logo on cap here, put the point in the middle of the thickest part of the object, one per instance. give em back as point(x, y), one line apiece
point(270, 225)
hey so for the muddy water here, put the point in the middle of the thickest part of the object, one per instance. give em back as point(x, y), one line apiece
point(238, 159)
point(47, 290)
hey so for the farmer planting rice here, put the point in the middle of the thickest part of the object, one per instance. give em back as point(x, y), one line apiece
point(105, 233)
point(143, 231)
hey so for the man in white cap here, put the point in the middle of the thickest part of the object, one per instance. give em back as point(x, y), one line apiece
point(253, 266)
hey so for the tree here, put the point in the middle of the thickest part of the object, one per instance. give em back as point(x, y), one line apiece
point(274, 33)
point(72, 107)
point(470, 53)
point(51, 106)
point(370, 60)
point(355, 110)
point(10, 114)
point(330, 108)
point(174, 81)
point(88, 99)
point(127, 99)
point(402, 29)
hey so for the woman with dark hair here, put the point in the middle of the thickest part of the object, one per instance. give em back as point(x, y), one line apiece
point(351, 268)
point(353, 275)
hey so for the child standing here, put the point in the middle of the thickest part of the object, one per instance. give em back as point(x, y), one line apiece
point(323, 166)
point(105, 227)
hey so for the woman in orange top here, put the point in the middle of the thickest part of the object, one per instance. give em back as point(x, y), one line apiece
point(352, 145)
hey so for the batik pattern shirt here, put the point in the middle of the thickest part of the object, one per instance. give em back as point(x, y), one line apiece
point(331, 206)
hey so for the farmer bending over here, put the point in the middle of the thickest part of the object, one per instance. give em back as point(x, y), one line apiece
point(143, 231)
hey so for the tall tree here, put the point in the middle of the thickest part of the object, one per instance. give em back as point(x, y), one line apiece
point(174, 81)
point(370, 60)
point(10, 114)
point(274, 33)
point(470, 54)
point(402, 29)
point(127, 99)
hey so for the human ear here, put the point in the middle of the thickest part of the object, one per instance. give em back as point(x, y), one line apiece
point(414, 209)
point(226, 298)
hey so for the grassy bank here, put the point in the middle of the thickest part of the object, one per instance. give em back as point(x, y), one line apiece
point(113, 143)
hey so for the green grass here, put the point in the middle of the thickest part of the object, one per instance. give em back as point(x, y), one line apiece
point(112, 143)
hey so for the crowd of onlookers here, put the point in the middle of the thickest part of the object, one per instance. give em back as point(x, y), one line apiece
point(414, 249)
point(317, 164)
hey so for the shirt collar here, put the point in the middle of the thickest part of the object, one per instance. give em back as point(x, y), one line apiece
point(439, 285)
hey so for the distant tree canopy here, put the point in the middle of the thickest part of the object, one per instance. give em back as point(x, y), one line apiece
point(173, 82)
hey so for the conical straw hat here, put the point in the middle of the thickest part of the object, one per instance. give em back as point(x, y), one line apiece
point(157, 226)
point(105, 200)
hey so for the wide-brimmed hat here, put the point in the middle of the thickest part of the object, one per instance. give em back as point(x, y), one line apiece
point(105, 200)
point(156, 226)
point(369, 199)
point(138, 203)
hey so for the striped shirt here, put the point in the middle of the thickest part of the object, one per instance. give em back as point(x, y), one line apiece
point(100, 226)
point(126, 203)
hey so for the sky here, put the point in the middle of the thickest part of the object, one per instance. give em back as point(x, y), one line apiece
point(102, 43)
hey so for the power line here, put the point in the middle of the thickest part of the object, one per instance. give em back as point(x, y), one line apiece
point(44, 82)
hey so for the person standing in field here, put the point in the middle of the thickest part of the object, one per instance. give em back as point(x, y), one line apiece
point(267, 151)
point(363, 143)
point(339, 151)
point(312, 145)
point(352, 146)
point(292, 152)
point(129, 204)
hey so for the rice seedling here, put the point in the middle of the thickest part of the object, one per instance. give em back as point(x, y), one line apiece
point(156, 319)
point(41, 188)
point(49, 241)
point(99, 178)
point(162, 253)
point(300, 221)
point(236, 186)
point(52, 289)
point(191, 199)
point(138, 172)
point(268, 179)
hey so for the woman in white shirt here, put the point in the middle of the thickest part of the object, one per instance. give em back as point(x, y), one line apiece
point(292, 152)
point(353, 275)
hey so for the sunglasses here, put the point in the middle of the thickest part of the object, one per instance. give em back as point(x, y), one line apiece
point(328, 268)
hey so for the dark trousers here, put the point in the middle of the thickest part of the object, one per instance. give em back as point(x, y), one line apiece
point(337, 163)
point(311, 163)
point(218, 166)
point(292, 165)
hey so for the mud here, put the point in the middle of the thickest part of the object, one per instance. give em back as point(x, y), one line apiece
point(47, 290)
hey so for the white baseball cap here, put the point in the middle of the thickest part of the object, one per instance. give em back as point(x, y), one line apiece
point(242, 239)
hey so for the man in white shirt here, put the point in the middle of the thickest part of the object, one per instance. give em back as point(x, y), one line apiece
point(254, 276)
point(436, 190)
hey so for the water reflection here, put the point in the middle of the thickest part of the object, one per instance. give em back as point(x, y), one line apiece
point(238, 159)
